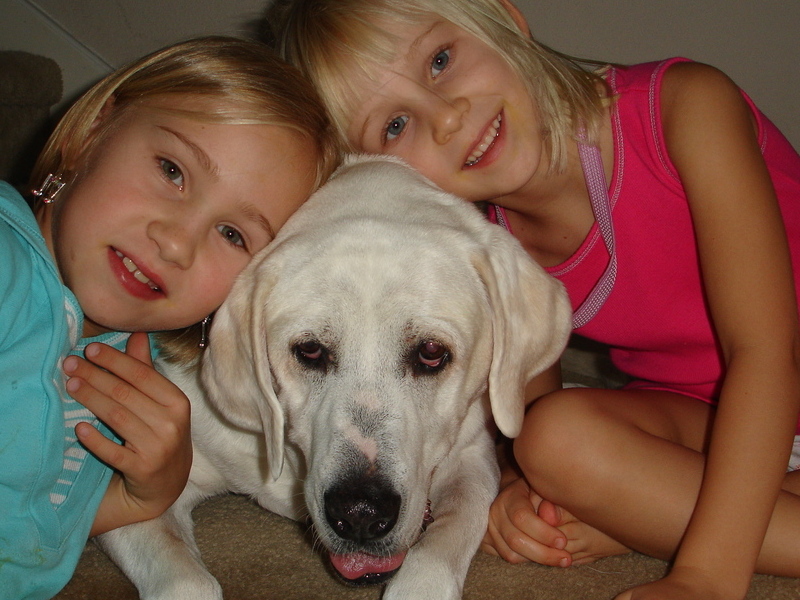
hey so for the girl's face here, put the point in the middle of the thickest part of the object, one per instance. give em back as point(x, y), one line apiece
point(452, 107)
point(168, 210)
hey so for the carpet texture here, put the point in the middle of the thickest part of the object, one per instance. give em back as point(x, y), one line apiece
point(257, 555)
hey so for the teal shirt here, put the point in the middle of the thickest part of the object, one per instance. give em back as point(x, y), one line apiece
point(50, 487)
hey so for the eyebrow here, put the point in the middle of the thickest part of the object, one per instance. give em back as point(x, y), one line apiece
point(252, 213)
point(413, 48)
point(199, 154)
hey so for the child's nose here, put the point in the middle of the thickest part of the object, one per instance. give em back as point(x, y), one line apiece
point(448, 118)
point(175, 240)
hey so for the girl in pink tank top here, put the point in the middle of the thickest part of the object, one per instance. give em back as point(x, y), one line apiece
point(669, 207)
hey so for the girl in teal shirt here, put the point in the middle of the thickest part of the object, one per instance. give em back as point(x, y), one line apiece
point(154, 191)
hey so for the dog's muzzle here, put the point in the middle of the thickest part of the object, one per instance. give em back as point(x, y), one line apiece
point(362, 512)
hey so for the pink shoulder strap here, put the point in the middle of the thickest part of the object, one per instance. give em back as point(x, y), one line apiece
point(595, 177)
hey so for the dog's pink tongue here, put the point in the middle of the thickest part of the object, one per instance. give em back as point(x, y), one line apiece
point(354, 566)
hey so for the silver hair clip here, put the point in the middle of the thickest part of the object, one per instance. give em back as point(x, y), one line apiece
point(52, 185)
point(204, 332)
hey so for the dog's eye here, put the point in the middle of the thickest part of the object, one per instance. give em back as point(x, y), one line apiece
point(311, 353)
point(431, 357)
point(311, 350)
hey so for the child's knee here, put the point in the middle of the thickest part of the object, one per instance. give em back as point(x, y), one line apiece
point(559, 437)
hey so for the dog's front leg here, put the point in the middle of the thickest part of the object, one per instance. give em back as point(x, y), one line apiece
point(161, 558)
point(436, 566)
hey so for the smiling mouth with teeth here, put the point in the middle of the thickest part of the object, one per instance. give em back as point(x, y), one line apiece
point(488, 140)
point(134, 270)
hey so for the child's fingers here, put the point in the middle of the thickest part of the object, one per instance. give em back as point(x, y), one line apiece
point(120, 374)
point(494, 544)
point(515, 546)
point(138, 347)
point(105, 394)
point(153, 418)
point(114, 412)
point(149, 429)
point(108, 451)
point(141, 375)
point(523, 505)
point(550, 513)
point(534, 539)
point(151, 451)
point(518, 534)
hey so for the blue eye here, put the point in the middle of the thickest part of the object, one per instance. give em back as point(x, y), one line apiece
point(395, 127)
point(171, 171)
point(439, 63)
point(231, 235)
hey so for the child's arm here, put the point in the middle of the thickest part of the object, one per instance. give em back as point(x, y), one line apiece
point(747, 273)
point(150, 413)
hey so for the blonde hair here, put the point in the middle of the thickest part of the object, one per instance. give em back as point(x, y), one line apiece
point(327, 38)
point(246, 82)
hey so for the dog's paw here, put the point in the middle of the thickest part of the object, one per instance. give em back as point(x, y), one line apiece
point(432, 585)
point(206, 588)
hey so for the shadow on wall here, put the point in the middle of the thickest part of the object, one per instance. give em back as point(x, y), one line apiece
point(29, 86)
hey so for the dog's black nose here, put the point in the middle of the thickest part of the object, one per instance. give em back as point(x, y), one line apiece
point(362, 510)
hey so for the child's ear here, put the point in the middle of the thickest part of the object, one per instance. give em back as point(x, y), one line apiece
point(102, 115)
point(517, 15)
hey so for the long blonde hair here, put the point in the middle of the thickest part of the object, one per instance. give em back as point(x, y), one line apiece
point(247, 83)
point(327, 38)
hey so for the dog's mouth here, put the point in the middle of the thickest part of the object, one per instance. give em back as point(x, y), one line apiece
point(366, 569)
point(360, 568)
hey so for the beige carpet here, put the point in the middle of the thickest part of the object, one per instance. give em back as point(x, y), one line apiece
point(257, 555)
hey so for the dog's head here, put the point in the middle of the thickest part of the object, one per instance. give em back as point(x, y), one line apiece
point(371, 327)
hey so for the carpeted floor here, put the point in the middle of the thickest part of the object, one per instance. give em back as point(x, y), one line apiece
point(257, 555)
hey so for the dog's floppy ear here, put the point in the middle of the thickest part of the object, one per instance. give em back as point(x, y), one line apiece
point(235, 369)
point(531, 324)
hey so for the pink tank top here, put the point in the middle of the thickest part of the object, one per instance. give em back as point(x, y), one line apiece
point(655, 319)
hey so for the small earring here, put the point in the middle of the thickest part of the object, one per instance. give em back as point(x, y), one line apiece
point(52, 185)
point(204, 332)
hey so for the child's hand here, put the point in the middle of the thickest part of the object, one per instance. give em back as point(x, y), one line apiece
point(517, 533)
point(146, 410)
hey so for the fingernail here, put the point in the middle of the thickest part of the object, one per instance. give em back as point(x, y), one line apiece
point(81, 429)
point(561, 543)
point(564, 563)
point(70, 364)
point(92, 350)
point(73, 385)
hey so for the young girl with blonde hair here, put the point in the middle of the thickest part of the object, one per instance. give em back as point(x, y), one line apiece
point(669, 206)
point(154, 191)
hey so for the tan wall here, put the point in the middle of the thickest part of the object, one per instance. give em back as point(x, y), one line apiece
point(754, 41)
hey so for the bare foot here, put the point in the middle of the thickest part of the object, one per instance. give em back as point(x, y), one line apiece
point(585, 543)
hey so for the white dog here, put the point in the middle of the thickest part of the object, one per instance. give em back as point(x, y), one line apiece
point(352, 377)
